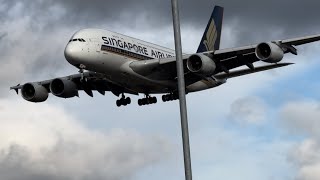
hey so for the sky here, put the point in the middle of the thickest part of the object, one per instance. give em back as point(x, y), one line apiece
point(262, 126)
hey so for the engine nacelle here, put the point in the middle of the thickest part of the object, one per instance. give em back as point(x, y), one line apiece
point(201, 64)
point(63, 88)
point(269, 52)
point(34, 92)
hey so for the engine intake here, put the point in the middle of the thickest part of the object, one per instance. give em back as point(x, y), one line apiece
point(201, 64)
point(63, 88)
point(34, 92)
point(269, 52)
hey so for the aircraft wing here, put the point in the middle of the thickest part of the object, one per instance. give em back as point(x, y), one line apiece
point(236, 57)
point(87, 82)
point(225, 53)
point(225, 59)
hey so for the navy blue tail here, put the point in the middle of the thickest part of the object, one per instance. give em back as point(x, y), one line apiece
point(212, 36)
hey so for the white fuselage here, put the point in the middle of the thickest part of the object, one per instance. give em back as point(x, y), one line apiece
point(111, 53)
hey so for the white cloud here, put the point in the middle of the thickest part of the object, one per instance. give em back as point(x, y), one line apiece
point(44, 142)
point(302, 117)
point(307, 159)
point(222, 151)
point(250, 110)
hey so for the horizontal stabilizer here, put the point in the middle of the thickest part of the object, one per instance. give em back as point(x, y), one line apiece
point(242, 72)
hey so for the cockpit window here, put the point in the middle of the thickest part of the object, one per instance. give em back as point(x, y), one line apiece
point(81, 40)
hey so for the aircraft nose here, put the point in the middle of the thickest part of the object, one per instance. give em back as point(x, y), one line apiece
point(71, 53)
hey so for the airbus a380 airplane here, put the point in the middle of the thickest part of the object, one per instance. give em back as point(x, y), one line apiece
point(124, 65)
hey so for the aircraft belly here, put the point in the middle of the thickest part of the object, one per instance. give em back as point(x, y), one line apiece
point(117, 70)
point(204, 84)
point(143, 84)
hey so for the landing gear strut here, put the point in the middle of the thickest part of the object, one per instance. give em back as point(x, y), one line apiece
point(170, 97)
point(147, 101)
point(81, 71)
point(123, 101)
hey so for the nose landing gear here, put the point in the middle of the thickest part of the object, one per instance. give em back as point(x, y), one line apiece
point(81, 71)
point(123, 101)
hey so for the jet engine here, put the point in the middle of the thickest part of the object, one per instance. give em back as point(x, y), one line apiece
point(34, 92)
point(201, 64)
point(63, 88)
point(269, 52)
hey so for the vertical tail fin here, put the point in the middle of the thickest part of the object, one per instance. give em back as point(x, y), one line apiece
point(211, 37)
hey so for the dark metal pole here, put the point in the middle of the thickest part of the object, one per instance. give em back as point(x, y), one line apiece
point(182, 91)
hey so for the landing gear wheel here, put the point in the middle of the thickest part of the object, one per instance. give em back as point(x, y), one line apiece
point(118, 103)
point(123, 101)
point(144, 101)
point(164, 99)
point(154, 100)
point(128, 100)
point(170, 97)
point(147, 101)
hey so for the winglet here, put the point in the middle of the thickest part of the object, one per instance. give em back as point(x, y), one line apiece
point(16, 88)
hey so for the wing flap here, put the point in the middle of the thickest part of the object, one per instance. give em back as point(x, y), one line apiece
point(243, 72)
point(233, 52)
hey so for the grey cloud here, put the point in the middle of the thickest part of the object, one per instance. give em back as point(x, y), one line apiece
point(290, 16)
point(88, 13)
point(256, 21)
point(3, 36)
point(14, 165)
point(25, 56)
point(59, 162)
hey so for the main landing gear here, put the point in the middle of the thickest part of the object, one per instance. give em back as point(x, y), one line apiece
point(147, 101)
point(123, 101)
point(170, 97)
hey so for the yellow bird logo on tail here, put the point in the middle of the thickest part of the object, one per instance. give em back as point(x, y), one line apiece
point(211, 36)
